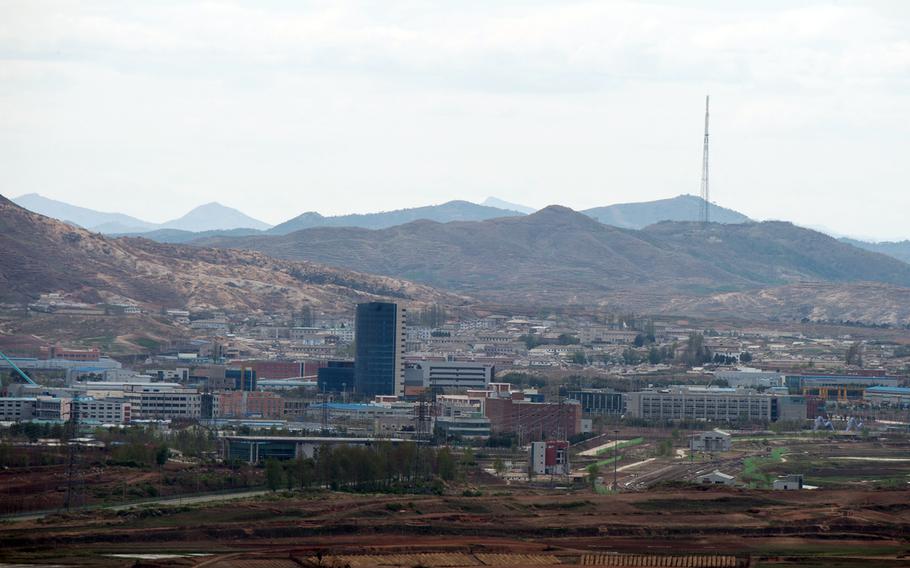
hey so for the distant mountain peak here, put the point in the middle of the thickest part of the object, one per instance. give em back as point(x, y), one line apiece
point(503, 204)
point(685, 207)
point(214, 216)
point(455, 210)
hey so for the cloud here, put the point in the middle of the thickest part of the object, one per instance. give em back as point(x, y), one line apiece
point(404, 103)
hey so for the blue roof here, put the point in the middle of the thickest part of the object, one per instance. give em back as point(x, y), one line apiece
point(893, 390)
point(854, 379)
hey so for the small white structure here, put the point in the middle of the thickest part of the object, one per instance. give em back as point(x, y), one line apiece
point(713, 441)
point(716, 477)
point(792, 482)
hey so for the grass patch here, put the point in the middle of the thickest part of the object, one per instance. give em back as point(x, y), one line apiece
point(147, 343)
point(609, 461)
point(754, 468)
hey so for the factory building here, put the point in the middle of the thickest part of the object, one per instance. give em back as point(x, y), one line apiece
point(841, 388)
point(750, 378)
point(713, 441)
point(256, 449)
point(898, 397)
point(533, 420)
point(598, 401)
point(713, 404)
point(102, 411)
point(442, 376)
point(47, 408)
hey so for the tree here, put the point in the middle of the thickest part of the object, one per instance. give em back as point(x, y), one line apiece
point(696, 353)
point(162, 454)
point(654, 355)
point(579, 358)
point(855, 355)
point(566, 339)
point(274, 475)
point(745, 357)
point(593, 472)
point(304, 472)
point(445, 465)
point(499, 466)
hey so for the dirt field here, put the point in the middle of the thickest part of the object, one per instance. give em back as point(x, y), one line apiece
point(39, 488)
point(686, 526)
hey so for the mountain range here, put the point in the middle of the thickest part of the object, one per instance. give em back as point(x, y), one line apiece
point(39, 254)
point(680, 208)
point(443, 213)
point(207, 217)
point(897, 249)
point(213, 217)
point(557, 255)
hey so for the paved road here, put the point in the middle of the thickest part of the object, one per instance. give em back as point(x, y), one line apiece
point(178, 500)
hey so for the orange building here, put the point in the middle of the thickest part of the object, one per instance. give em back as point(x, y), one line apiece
point(241, 404)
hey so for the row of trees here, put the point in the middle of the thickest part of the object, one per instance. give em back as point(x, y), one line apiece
point(381, 467)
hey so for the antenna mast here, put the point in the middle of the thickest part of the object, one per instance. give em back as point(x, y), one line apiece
point(705, 195)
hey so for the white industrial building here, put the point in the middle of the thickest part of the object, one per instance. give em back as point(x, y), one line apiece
point(713, 441)
point(716, 477)
point(449, 375)
point(791, 482)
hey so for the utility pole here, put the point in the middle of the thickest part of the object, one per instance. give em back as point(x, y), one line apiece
point(705, 194)
point(615, 458)
point(72, 432)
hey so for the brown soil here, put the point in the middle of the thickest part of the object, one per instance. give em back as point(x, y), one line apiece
point(751, 525)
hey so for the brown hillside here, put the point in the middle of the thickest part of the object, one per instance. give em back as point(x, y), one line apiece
point(38, 254)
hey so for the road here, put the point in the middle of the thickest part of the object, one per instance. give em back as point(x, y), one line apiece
point(176, 500)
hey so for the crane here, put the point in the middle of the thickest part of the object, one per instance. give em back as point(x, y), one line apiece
point(18, 370)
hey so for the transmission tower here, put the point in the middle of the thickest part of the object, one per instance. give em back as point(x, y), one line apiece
point(423, 419)
point(705, 216)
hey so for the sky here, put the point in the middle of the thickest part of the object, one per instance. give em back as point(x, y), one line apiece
point(276, 108)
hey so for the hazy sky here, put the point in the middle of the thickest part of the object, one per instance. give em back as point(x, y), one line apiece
point(277, 108)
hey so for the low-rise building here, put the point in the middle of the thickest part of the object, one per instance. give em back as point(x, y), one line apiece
point(713, 441)
point(789, 482)
point(598, 401)
point(242, 404)
point(713, 404)
point(449, 375)
point(163, 402)
point(716, 477)
point(53, 409)
point(549, 458)
point(465, 425)
point(102, 411)
point(17, 408)
point(889, 396)
point(533, 419)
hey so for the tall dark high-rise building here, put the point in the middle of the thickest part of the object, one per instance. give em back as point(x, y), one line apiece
point(380, 339)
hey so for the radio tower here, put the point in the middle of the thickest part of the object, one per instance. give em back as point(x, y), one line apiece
point(705, 195)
